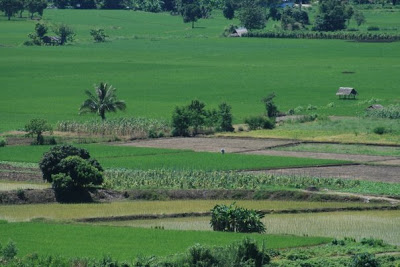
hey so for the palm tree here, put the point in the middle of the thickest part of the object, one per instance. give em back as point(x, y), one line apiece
point(102, 101)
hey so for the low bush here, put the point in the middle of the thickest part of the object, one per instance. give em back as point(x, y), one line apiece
point(99, 36)
point(373, 28)
point(9, 251)
point(380, 130)
point(260, 122)
point(236, 219)
point(3, 142)
point(364, 259)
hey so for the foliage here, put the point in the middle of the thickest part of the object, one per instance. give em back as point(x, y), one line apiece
point(36, 127)
point(236, 219)
point(36, 6)
point(249, 252)
point(225, 118)
point(9, 251)
point(359, 17)
point(10, 7)
point(260, 122)
point(3, 142)
point(52, 161)
point(270, 107)
point(389, 112)
point(190, 11)
point(380, 130)
point(113, 4)
point(252, 16)
point(331, 15)
point(65, 33)
point(104, 100)
point(132, 127)
point(340, 35)
point(99, 36)
point(364, 259)
point(294, 19)
point(199, 255)
point(191, 119)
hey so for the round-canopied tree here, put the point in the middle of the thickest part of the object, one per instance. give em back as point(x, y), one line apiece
point(104, 100)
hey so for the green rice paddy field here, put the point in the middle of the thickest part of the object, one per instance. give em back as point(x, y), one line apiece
point(358, 224)
point(125, 243)
point(153, 158)
point(57, 212)
point(158, 62)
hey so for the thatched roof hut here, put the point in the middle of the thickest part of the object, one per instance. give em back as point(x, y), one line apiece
point(346, 93)
point(239, 32)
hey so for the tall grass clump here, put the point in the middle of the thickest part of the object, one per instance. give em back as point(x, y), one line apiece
point(129, 127)
point(389, 112)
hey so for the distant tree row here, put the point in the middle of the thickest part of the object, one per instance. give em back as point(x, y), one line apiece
point(13, 7)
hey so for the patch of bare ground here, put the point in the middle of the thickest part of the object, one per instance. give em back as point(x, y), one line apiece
point(13, 173)
point(321, 155)
point(231, 145)
point(389, 174)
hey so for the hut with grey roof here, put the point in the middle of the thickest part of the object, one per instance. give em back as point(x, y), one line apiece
point(346, 93)
point(239, 32)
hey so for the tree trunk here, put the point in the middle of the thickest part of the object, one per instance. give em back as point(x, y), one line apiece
point(103, 115)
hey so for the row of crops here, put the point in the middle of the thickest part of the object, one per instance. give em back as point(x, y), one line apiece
point(358, 36)
point(132, 127)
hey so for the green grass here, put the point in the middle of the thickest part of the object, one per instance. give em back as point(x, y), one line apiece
point(158, 62)
point(358, 224)
point(345, 149)
point(124, 243)
point(56, 211)
point(6, 186)
point(153, 158)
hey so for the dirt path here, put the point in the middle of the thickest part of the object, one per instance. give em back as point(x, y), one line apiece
point(231, 145)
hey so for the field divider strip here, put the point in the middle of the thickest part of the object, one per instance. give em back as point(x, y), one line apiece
point(208, 213)
point(304, 167)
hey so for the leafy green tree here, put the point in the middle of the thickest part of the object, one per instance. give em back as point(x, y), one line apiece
point(271, 108)
point(61, 3)
point(253, 16)
point(113, 4)
point(229, 9)
point(331, 15)
point(190, 11)
point(104, 100)
point(36, 6)
point(197, 115)
point(225, 118)
point(181, 120)
point(359, 17)
point(36, 127)
point(11, 7)
point(294, 19)
point(50, 162)
point(65, 33)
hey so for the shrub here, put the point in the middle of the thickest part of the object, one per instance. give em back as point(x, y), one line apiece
point(181, 121)
point(380, 130)
point(236, 219)
point(248, 252)
point(201, 256)
point(65, 33)
point(36, 127)
point(311, 107)
point(9, 251)
point(270, 107)
point(3, 142)
point(98, 35)
point(372, 242)
point(259, 122)
point(364, 259)
point(389, 112)
point(373, 28)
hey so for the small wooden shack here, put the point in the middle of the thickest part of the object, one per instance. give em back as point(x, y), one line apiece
point(239, 32)
point(346, 93)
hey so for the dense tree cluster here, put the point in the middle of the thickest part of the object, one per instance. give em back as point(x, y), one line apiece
point(194, 118)
point(12, 7)
point(63, 34)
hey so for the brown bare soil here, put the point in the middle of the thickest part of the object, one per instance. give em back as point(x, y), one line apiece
point(231, 145)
